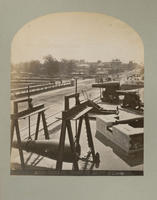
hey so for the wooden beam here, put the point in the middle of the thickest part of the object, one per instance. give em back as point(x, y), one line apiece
point(83, 112)
point(28, 112)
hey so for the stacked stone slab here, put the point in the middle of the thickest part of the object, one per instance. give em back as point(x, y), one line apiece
point(128, 138)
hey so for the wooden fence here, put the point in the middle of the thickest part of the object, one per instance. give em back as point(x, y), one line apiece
point(36, 89)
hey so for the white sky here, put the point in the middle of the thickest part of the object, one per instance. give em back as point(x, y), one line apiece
point(88, 36)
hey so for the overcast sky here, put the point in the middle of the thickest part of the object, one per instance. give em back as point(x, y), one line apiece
point(88, 36)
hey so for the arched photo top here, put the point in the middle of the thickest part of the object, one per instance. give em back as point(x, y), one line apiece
point(71, 65)
point(77, 35)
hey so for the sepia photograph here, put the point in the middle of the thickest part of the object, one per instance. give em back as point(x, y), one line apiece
point(77, 97)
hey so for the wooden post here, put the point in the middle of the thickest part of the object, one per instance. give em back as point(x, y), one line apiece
point(45, 125)
point(61, 146)
point(79, 131)
point(89, 136)
point(37, 127)
point(12, 134)
point(66, 100)
point(72, 145)
point(29, 118)
point(77, 101)
point(19, 143)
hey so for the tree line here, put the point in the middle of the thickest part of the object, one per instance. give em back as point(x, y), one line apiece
point(50, 66)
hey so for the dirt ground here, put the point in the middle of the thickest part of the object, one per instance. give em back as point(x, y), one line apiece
point(109, 158)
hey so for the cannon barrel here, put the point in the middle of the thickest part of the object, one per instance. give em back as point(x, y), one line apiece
point(47, 148)
point(107, 84)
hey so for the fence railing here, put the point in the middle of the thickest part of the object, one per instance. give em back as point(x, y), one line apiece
point(35, 89)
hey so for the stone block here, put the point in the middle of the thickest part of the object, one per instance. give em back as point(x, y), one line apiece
point(125, 136)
